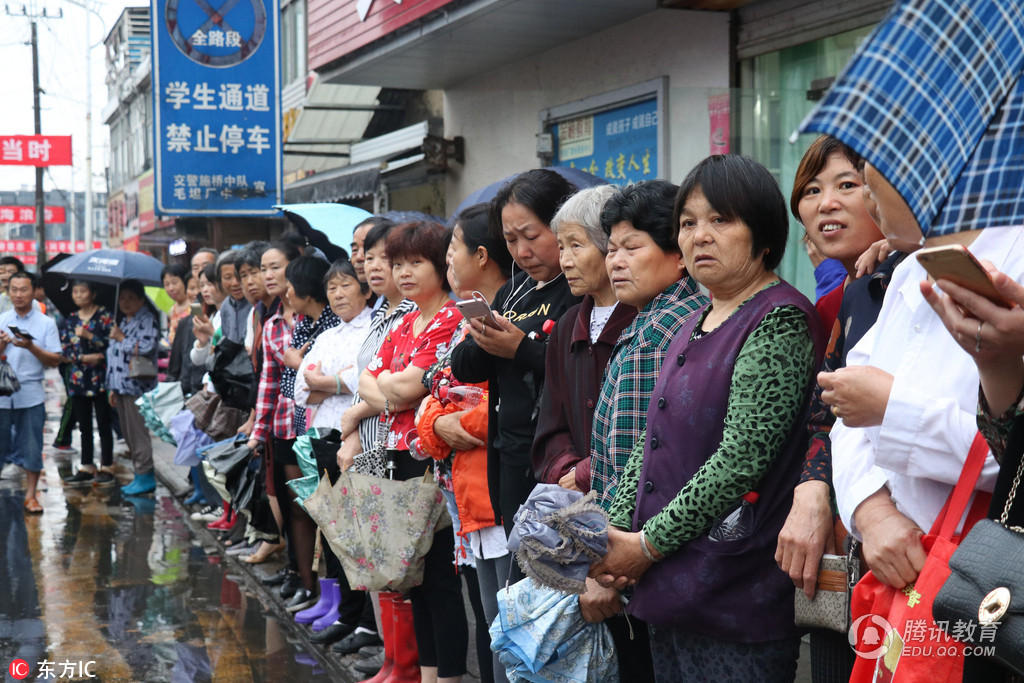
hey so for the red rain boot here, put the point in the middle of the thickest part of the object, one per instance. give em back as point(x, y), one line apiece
point(387, 634)
point(407, 659)
point(225, 519)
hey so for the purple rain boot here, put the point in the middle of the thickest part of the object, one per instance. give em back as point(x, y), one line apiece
point(310, 614)
point(332, 614)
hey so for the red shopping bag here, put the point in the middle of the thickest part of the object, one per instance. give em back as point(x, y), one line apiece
point(893, 632)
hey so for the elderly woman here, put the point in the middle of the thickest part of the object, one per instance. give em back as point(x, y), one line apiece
point(828, 198)
point(706, 492)
point(393, 384)
point(580, 345)
point(329, 376)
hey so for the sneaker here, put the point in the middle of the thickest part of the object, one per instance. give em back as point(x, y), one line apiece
point(208, 513)
point(64, 449)
point(104, 479)
point(79, 478)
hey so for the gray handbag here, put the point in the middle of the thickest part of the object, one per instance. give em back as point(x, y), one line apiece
point(141, 367)
point(986, 586)
point(830, 607)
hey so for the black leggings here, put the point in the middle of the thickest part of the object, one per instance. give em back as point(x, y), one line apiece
point(439, 615)
point(300, 528)
point(82, 408)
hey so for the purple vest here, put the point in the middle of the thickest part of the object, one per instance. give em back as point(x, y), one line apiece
point(724, 589)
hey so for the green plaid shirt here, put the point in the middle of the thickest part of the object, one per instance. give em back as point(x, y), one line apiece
point(621, 413)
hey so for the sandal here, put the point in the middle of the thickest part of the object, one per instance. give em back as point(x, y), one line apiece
point(33, 507)
point(263, 553)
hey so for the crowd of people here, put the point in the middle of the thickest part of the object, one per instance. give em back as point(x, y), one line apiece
point(640, 347)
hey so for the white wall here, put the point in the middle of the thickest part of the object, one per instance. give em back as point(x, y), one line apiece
point(497, 112)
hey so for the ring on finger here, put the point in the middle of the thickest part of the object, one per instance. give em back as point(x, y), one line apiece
point(835, 411)
point(977, 337)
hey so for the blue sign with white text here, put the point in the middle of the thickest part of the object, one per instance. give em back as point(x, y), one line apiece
point(217, 111)
point(619, 145)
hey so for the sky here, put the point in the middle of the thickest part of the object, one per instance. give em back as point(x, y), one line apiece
point(62, 75)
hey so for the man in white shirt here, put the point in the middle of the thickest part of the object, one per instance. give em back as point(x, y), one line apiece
point(30, 343)
point(907, 403)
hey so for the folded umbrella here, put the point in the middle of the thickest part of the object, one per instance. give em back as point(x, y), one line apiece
point(935, 101)
point(190, 439)
point(558, 534)
point(540, 635)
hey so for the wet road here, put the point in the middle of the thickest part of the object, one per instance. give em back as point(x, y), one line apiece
point(123, 583)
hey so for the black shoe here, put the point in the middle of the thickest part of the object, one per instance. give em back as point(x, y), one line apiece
point(79, 478)
point(370, 665)
point(333, 633)
point(354, 641)
point(291, 584)
point(300, 600)
point(276, 579)
point(104, 479)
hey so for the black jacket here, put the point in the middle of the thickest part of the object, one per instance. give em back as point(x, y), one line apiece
point(179, 366)
point(514, 384)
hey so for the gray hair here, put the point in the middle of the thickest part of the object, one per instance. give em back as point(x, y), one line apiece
point(584, 209)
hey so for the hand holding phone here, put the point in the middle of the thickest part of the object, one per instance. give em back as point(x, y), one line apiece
point(19, 333)
point(478, 308)
point(955, 263)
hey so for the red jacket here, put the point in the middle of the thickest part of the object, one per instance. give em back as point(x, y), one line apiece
point(469, 468)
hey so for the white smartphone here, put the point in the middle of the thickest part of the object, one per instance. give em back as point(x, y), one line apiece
point(478, 308)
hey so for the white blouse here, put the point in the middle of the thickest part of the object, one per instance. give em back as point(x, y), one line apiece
point(337, 350)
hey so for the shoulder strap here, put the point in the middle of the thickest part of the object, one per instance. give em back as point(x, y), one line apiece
point(953, 511)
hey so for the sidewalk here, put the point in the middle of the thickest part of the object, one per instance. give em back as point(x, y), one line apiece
point(174, 477)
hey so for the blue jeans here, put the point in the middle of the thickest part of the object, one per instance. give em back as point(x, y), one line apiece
point(21, 437)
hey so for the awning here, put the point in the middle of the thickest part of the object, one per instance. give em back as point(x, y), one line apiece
point(349, 182)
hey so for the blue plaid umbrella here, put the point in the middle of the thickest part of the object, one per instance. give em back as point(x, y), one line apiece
point(935, 101)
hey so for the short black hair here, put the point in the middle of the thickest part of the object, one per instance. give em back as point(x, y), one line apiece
point(12, 261)
point(425, 239)
point(378, 233)
point(476, 233)
point(343, 267)
point(738, 187)
point(288, 246)
point(206, 250)
point(306, 275)
point(541, 191)
point(647, 206)
point(212, 273)
point(176, 270)
point(139, 290)
point(25, 275)
point(251, 254)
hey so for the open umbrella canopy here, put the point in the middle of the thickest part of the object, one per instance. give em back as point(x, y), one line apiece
point(58, 289)
point(111, 267)
point(935, 101)
point(328, 227)
point(581, 179)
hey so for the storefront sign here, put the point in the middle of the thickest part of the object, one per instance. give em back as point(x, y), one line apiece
point(147, 222)
point(52, 246)
point(619, 144)
point(217, 107)
point(27, 214)
point(35, 150)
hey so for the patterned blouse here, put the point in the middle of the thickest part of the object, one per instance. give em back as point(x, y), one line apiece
point(86, 380)
point(765, 398)
point(306, 330)
point(141, 333)
point(401, 349)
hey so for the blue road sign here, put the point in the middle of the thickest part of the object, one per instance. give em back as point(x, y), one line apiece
point(618, 144)
point(217, 110)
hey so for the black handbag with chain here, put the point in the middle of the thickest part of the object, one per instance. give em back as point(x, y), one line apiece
point(986, 586)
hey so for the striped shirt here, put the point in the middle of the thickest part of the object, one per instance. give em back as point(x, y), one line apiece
point(384, 320)
point(621, 413)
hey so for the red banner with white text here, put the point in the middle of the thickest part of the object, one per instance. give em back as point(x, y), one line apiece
point(27, 214)
point(35, 150)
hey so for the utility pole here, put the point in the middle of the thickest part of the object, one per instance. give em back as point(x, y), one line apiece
point(88, 132)
point(40, 207)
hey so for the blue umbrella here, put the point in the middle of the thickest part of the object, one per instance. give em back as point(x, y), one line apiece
point(581, 179)
point(327, 226)
point(111, 267)
point(935, 101)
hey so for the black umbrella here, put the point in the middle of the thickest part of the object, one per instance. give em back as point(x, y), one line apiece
point(58, 289)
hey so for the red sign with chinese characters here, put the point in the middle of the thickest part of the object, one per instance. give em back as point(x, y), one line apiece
point(27, 214)
point(337, 28)
point(35, 150)
point(52, 246)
